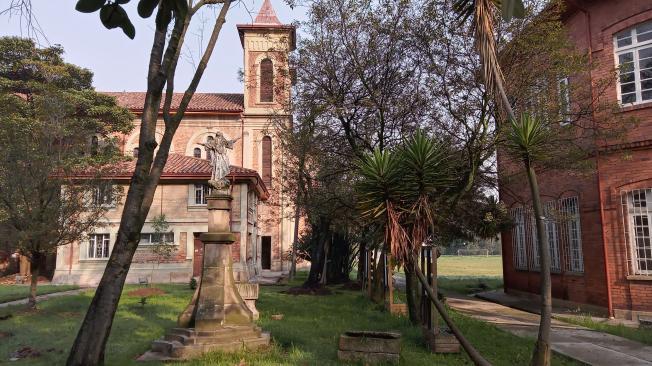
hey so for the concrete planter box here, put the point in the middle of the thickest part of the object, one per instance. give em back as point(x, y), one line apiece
point(370, 347)
point(443, 342)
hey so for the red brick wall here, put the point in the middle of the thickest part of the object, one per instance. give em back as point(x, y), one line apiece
point(618, 171)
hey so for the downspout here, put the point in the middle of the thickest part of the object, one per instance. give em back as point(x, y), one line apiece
point(610, 309)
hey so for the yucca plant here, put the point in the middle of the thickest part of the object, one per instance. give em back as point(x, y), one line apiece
point(528, 140)
point(398, 190)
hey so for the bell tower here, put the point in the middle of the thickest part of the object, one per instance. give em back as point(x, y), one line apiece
point(267, 44)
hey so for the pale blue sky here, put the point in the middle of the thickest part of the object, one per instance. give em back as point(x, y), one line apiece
point(120, 64)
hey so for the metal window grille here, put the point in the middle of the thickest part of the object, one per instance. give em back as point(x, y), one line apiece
point(533, 243)
point(518, 238)
point(571, 234)
point(98, 246)
point(552, 230)
point(637, 219)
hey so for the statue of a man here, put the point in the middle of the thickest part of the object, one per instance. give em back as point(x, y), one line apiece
point(216, 154)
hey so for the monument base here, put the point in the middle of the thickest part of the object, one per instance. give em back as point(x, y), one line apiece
point(186, 343)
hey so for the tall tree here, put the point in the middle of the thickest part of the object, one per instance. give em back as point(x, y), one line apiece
point(173, 18)
point(52, 126)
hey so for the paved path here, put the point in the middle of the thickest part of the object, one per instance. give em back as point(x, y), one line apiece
point(40, 298)
point(585, 345)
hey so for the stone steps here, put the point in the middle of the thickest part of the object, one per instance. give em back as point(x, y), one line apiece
point(182, 344)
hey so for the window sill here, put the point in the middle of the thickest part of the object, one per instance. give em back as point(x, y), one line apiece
point(573, 273)
point(196, 207)
point(635, 107)
point(94, 259)
point(639, 277)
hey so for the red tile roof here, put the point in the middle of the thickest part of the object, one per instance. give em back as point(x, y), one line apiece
point(185, 168)
point(200, 102)
point(267, 15)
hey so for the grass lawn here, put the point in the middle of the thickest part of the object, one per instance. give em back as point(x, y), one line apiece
point(470, 266)
point(635, 334)
point(17, 292)
point(307, 335)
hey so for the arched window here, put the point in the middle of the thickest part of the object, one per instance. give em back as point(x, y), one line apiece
point(135, 153)
point(94, 145)
point(196, 152)
point(266, 81)
point(267, 161)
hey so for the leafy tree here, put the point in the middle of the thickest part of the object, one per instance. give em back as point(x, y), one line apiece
point(161, 247)
point(53, 125)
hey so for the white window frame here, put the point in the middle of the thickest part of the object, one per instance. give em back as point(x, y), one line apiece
point(564, 100)
point(634, 47)
point(148, 238)
point(203, 190)
point(553, 235)
point(572, 230)
point(91, 250)
point(100, 196)
point(633, 211)
point(518, 239)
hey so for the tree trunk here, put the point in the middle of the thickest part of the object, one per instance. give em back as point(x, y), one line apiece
point(378, 289)
point(293, 266)
point(541, 355)
point(319, 238)
point(362, 261)
point(88, 348)
point(474, 355)
point(413, 298)
point(34, 264)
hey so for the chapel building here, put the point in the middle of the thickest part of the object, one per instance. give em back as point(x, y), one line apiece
point(261, 214)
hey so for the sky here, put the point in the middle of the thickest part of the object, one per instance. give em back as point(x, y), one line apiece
point(120, 64)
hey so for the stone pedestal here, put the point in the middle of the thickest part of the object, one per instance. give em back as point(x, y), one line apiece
point(217, 317)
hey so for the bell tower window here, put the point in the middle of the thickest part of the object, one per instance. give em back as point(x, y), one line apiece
point(266, 81)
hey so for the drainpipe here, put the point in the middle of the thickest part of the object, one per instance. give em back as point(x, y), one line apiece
point(610, 309)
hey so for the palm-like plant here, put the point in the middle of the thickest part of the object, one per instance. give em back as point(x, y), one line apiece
point(483, 13)
point(398, 190)
point(527, 140)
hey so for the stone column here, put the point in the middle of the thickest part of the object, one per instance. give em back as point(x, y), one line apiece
point(218, 302)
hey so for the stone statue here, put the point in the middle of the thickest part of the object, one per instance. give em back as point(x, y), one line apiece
point(216, 154)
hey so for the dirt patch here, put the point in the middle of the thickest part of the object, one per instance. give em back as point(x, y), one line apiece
point(6, 335)
point(352, 286)
point(315, 291)
point(146, 292)
point(24, 352)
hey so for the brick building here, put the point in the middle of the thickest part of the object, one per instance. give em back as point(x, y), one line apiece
point(261, 215)
point(600, 242)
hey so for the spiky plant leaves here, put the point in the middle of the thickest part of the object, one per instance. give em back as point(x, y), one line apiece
point(528, 138)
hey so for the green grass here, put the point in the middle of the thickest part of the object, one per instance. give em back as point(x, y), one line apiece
point(470, 266)
point(635, 334)
point(307, 335)
point(468, 285)
point(17, 292)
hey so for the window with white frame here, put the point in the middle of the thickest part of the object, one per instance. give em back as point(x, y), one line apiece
point(103, 194)
point(535, 258)
point(201, 193)
point(633, 52)
point(98, 246)
point(518, 238)
point(564, 101)
point(553, 235)
point(571, 233)
point(637, 206)
point(156, 238)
